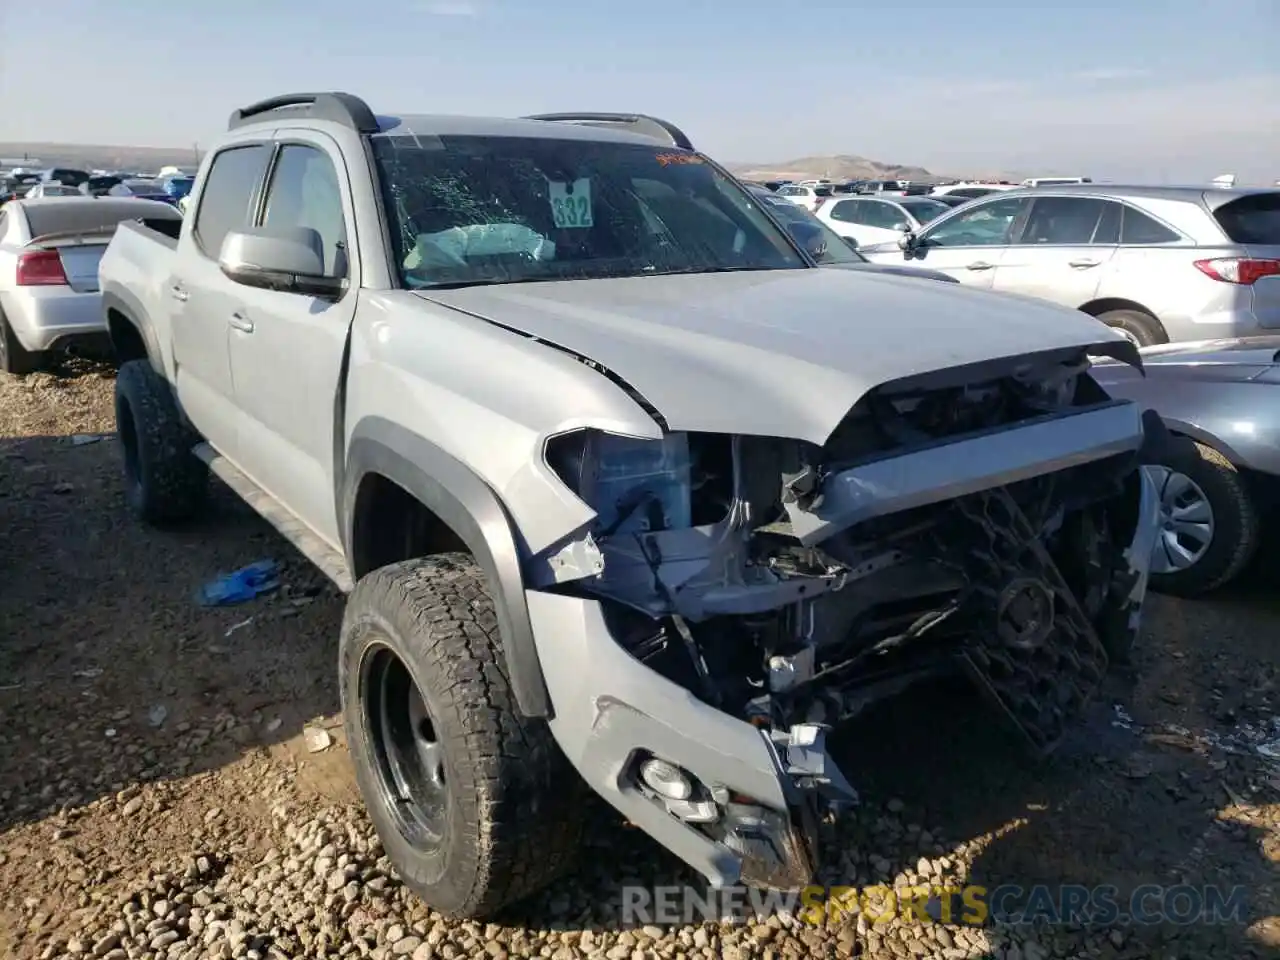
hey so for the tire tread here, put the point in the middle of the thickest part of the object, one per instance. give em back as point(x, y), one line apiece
point(518, 789)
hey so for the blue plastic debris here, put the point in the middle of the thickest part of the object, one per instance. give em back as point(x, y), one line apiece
point(244, 584)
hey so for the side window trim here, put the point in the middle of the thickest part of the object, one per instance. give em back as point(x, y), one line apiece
point(264, 190)
point(259, 190)
point(1108, 205)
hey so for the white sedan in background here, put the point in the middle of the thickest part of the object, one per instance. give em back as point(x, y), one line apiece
point(49, 253)
point(871, 220)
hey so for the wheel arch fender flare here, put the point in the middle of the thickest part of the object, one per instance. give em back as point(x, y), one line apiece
point(1185, 431)
point(126, 305)
point(472, 510)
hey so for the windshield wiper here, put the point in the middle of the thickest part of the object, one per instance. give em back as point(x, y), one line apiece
point(710, 269)
point(481, 282)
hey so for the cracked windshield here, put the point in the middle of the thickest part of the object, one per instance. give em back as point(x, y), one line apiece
point(473, 210)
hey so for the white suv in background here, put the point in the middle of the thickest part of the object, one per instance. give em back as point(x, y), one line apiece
point(871, 220)
point(1157, 263)
point(809, 197)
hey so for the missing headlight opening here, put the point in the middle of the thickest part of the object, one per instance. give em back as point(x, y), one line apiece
point(975, 520)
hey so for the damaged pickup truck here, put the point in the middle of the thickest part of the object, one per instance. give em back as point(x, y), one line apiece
point(626, 492)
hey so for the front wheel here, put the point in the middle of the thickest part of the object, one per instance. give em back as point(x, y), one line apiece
point(475, 804)
point(1211, 523)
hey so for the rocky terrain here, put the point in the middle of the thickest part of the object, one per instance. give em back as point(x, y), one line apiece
point(174, 783)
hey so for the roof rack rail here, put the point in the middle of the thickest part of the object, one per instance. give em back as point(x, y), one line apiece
point(343, 108)
point(641, 123)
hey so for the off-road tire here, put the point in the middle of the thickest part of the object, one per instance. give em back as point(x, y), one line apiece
point(1143, 327)
point(165, 482)
point(1237, 523)
point(514, 816)
point(14, 357)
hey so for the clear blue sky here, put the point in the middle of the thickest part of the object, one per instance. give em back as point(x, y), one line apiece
point(1158, 89)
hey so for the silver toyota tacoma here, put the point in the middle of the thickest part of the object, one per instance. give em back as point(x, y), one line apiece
point(625, 491)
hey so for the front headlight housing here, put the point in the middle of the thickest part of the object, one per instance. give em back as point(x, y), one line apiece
point(634, 484)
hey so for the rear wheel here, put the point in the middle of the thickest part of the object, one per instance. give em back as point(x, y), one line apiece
point(1141, 329)
point(1211, 525)
point(14, 357)
point(164, 481)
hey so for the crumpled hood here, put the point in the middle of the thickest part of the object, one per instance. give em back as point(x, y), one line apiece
point(782, 353)
point(897, 271)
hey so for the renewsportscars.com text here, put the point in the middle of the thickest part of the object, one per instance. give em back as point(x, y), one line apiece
point(973, 905)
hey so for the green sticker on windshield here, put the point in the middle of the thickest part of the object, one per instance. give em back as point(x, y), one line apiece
point(571, 204)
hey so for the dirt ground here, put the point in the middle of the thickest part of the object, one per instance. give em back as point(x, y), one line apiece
point(148, 745)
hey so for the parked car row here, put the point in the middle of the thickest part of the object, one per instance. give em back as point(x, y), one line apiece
point(169, 187)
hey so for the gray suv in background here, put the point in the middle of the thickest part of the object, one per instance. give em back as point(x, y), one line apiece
point(1159, 264)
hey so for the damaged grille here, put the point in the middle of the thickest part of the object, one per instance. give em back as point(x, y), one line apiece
point(1035, 654)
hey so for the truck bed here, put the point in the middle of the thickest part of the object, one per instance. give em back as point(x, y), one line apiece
point(134, 276)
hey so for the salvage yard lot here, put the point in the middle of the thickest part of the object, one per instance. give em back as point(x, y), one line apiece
point(159, 797)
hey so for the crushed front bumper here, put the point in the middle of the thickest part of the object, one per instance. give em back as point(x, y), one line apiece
point(612, 712)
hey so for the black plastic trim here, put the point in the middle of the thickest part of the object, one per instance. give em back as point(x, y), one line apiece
point(344, 108)
point(466, 504)
point(650, 126)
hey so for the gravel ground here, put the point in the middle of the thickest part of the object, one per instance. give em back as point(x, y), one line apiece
point(173, 782)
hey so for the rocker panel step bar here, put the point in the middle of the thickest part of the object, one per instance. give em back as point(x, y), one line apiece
point(332, 563)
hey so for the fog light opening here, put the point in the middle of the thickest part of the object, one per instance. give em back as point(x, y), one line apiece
point(666, 779)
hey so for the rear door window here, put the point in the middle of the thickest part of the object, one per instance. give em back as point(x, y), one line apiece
point(1138, 228)
point(229, 195)
point(1253, 219)
point(1063, 221)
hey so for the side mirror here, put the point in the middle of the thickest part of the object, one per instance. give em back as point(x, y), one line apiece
point(850, 242)
point(290, 260)
point(902, 226)
point(907, 242)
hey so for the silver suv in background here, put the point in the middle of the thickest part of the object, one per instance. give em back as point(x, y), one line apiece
point(1159, 264)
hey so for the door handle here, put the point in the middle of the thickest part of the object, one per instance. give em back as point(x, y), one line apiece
point(980, 265)
point(179, 294)
point(1083, 264)
point(241, 322)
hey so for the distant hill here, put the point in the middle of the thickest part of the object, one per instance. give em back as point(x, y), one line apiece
point(95, 156)
point(842, 166)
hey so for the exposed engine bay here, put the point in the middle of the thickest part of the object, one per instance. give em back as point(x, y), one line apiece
point(975, 519)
